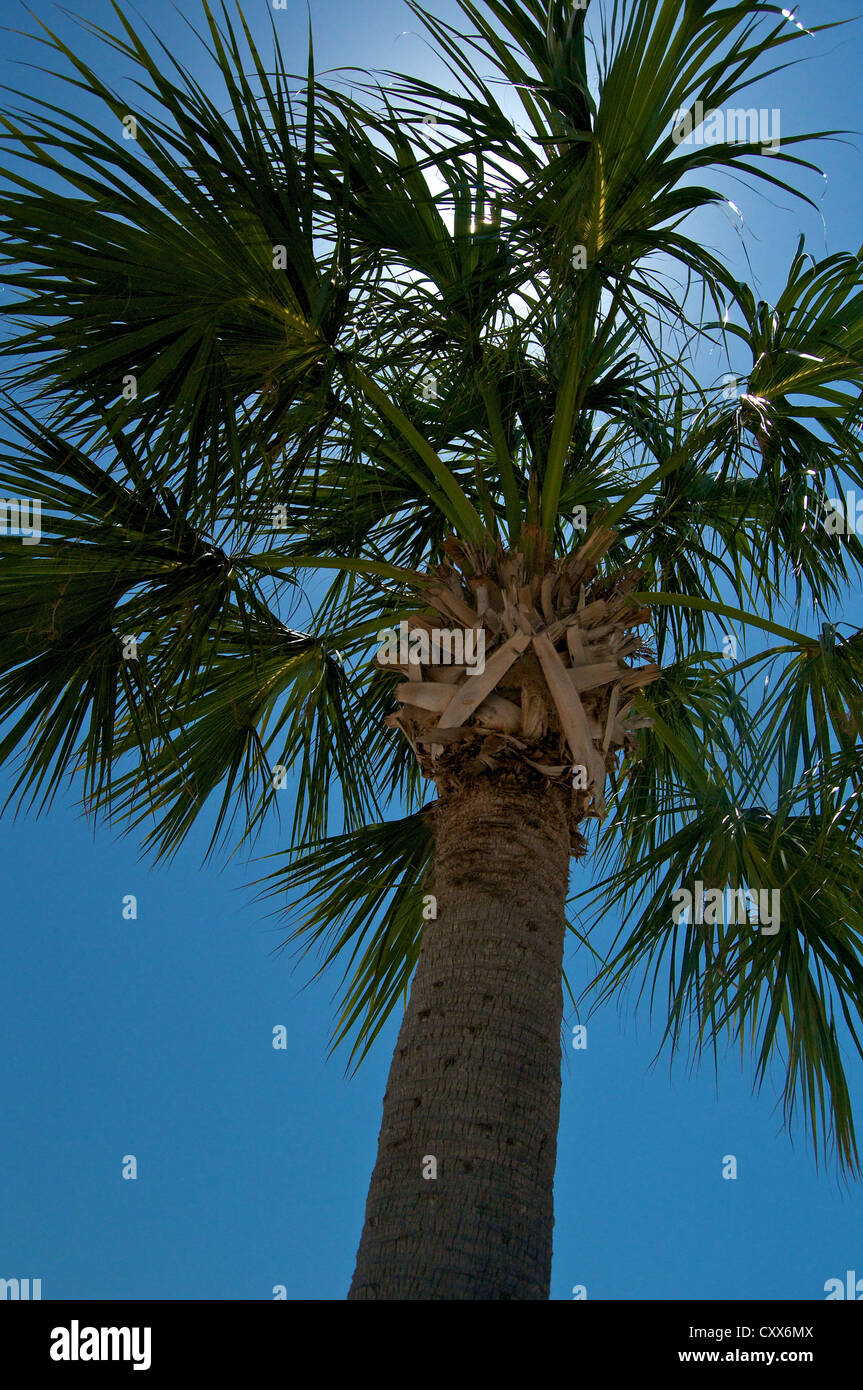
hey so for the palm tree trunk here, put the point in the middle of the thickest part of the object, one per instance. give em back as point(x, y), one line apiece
point(475, 1078)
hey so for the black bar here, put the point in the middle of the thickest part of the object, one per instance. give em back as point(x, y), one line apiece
point(233, 1337)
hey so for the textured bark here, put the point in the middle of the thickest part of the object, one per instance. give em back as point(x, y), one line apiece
point(475, 1078)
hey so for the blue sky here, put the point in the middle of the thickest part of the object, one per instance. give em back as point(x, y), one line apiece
point(154, 1037)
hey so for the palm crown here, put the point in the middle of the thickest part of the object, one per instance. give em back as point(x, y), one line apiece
point(391, 339)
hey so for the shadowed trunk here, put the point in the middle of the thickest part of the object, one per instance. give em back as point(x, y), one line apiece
point(475, 1078)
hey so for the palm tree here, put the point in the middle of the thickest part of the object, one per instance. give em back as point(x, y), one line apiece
point(442, 356)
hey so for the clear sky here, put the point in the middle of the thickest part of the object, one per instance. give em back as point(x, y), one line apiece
point(153, 1037)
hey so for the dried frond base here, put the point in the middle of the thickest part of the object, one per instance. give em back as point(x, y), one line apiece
point(554, 699)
